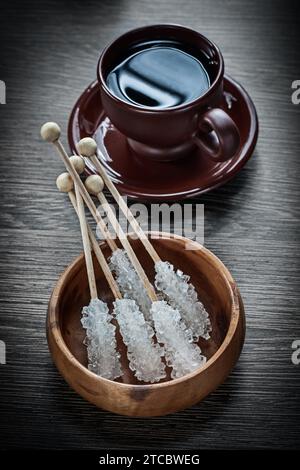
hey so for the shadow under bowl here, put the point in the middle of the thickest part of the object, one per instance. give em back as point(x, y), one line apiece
point(216, 289)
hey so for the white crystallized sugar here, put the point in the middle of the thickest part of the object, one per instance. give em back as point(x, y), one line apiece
point(129, 283)
point(181, 294)
point(143, 354)
point(177, 325)
point(181, 353)
point(103, 358)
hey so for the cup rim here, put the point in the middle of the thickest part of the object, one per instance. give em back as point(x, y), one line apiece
point(149, 110)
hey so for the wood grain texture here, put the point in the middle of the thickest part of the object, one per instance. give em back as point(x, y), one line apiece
point(216, 289)
point(48, 54)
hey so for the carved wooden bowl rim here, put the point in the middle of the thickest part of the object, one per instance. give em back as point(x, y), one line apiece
point(53, 313)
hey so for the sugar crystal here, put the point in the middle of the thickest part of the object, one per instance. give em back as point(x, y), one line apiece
point(129, 282)
point(181, 353)
point(103, 358)
point(182, 295)
point(144, 355)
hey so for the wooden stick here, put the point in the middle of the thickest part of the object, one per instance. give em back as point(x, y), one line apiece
point(86, 245)
point(88, 148)
point(85, 195)
point(50, 132)
point(126, 245)
point(80, 188)
point(125, 209)
point(98, 253)
point(94, 184)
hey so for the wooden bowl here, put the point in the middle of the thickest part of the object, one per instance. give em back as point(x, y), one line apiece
point(216, 289)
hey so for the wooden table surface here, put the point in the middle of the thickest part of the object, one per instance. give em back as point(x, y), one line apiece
point(49, 52)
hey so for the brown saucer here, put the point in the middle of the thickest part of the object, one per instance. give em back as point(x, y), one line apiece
point(143, 179)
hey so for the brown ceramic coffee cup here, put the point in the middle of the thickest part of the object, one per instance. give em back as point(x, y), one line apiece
point(170, 133)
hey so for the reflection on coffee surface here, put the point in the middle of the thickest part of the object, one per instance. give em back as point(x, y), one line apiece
point(159, 76)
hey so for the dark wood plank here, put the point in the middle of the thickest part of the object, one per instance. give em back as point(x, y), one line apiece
point(48, 54)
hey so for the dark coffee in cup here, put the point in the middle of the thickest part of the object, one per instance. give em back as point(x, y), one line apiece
point(161, 86)
point(160, 74)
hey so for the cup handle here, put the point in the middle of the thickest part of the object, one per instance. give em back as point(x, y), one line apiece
point(223, 143)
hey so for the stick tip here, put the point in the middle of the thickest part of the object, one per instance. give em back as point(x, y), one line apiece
point(87, 147)
point(64, 182)
point(78, 163)
point(50, 132)
point(94, 184)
